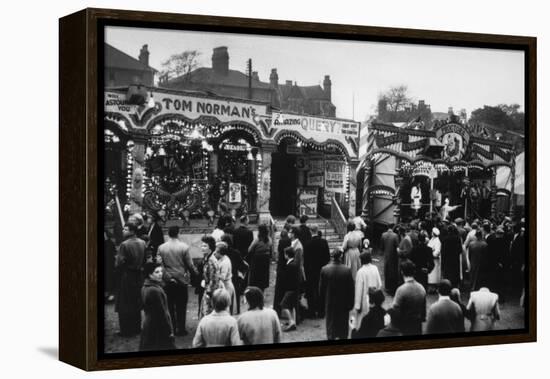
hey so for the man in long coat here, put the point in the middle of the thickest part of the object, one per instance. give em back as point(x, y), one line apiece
point(129, 261)
point(389, 243)
point(451, 252)
point(444, 316)
point(242, 236)
point(410, 301)
point(316, 255)
point(422, 257)
point(479, 262)
point(336, 290)
point(305, 233)
point(499, 252)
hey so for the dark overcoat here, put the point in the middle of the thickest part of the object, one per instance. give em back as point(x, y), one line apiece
point(451, 250)
point(157, 332)
point(389, 243)
point(337, 293)
point(316, 256)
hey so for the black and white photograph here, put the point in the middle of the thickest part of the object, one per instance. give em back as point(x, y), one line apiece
point(266, 190)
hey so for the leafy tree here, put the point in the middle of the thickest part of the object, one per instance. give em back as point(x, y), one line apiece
point(395, 105)
point(503, 116)
point(179, 65)
point(396, 98)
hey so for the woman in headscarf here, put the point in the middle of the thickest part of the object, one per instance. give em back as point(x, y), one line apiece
point(157, 332)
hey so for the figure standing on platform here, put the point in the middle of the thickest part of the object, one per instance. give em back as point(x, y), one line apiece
point(446, 209)
point(416, 197)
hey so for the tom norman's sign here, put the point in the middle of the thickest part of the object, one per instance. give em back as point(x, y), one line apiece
point(190, 106)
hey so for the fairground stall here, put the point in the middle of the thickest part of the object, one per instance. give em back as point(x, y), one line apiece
point(195, 155)
point(450, 169)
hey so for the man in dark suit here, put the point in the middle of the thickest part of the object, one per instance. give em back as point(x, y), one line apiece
point(242, 236)
point(305, 233)
point(337, 293)
point(129, 263)
point(410, 300)
point(422, 257)
point(499, 252)
point(291, 286)
point(316, 255)
point(479, 262)
point(389, 243)
point(445, 316)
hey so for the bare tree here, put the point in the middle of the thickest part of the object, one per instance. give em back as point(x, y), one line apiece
point(396, 98)
point(179, 64)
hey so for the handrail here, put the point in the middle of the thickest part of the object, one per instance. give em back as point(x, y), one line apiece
point(319, 216)
point(337, 218)
point(271, 227)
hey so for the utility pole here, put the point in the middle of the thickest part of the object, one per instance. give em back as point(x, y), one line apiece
point(249, 73)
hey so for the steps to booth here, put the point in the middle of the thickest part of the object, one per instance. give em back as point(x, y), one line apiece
point(201, 226)
point(329, 233)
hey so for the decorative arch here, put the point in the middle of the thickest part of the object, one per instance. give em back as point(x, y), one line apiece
point(117, 123)
point(413, 160)
point(247, 129)
point(328, 143)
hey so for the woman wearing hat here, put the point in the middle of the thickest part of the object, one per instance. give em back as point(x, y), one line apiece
point(434, 277)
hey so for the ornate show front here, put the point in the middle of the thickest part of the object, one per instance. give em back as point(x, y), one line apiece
point(191, 154)
point(409, 172)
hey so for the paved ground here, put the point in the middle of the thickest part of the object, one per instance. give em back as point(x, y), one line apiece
point(512, 317)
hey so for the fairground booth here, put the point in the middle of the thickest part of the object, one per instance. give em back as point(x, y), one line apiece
point(451, 169)
point(193, 155)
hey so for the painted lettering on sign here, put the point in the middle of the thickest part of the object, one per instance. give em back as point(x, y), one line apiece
point(481, 151)
point(334, 176)
point(316, 124)
point(382, 141)
point(208, 108)
point(190, 106)
point(307, 201)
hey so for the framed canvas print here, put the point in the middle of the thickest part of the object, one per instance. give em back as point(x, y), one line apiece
point(238, 189)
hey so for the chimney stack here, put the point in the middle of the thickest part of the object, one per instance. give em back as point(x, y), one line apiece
point(220, 60)
point(289, 83)
point(144, 55)
point(274, 78)
point(327, 85)
point(255, 76)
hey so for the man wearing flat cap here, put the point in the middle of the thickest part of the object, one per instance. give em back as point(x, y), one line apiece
point(444, 316)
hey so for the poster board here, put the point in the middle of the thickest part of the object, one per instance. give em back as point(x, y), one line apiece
point(307, 201)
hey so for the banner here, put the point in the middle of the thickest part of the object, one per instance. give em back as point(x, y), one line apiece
point(191, 107)
point(307, 201)
point(234, 192)
point(327, 197)
point(335, 176)
point(316, 173)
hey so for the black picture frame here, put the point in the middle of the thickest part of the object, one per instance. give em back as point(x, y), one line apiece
point(81, 105)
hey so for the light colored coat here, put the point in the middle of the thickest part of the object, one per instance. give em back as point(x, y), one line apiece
point(367, 277)
point(484, 306)
point(217, 329)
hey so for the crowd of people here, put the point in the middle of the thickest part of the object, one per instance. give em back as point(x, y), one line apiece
point(431, 256)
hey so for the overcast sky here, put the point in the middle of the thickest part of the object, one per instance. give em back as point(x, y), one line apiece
point(442, 76)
